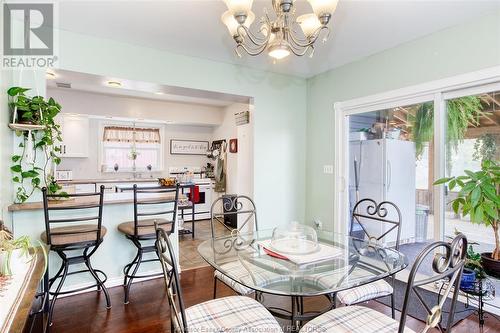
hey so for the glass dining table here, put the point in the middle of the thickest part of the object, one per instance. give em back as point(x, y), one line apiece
point(245, 259)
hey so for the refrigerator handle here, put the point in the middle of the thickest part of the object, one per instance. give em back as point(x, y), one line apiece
point(389, 175)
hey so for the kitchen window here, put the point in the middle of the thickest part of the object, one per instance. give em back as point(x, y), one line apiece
point(131, 148)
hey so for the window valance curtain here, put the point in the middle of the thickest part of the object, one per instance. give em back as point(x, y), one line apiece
point(131, 134)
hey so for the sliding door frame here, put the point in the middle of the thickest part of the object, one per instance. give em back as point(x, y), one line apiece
point(437, 91)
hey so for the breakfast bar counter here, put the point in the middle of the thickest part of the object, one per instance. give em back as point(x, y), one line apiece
point(109, 199)
point(112, 255)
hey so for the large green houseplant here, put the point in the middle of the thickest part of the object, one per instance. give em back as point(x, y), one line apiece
point(33, 167)
point(479, 198)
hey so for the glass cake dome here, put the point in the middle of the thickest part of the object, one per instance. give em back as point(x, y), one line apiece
point(295, 239)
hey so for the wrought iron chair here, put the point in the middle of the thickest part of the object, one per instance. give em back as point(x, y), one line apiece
point(232, 207)
point(447, 265)
point(386, 217)
point(151, 205)
point(228, 314)
point(75, 239)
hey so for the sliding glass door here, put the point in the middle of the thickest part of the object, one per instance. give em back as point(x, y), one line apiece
point(395, 148)
point(472, 136)
point(391, 159)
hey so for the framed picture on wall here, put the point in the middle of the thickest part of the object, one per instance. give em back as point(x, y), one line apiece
point(188, 147)
point(233, 145)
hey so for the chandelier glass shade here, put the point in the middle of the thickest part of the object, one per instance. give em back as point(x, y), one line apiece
point(281, 35)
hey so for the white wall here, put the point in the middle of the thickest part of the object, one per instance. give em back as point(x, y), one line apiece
point(88, 168)
point(127, 107)
point(73, 101)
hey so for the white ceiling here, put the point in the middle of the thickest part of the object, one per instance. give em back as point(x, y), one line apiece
point(138, 89)
point(193, 28)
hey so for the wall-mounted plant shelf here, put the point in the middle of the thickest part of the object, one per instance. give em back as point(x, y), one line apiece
point(25, 127)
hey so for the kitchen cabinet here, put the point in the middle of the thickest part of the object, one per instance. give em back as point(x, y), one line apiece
point(85, 188)
point(75, 135)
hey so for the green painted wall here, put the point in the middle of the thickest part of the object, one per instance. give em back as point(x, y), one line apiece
point(461, 49)
point(279, 104)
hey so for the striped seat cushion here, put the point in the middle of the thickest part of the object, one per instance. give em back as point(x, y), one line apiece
point(365, 292)
point(251, 275)
point(230, 314)
point(238, 287)
point(353, 319)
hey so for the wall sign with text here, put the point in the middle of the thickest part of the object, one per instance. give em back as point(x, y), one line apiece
point(188, 147)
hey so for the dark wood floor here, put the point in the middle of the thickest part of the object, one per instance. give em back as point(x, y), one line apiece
point(148, 310)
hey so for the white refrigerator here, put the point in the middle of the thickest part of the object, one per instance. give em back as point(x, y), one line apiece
point(386, 170)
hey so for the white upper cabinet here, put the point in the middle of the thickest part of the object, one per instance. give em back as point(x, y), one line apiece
point(75, 135)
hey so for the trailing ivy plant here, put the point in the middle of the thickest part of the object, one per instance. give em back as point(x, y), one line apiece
point(29, 175)
point(461, 112)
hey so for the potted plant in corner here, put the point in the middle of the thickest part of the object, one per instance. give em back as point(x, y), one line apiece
point(11, 248)
point(479, 197)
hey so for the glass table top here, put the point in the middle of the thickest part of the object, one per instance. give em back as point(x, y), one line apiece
point(350, 262)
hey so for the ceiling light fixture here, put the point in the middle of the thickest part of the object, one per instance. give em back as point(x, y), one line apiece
point(279, 36)
point(159, 93)
point(114, 84)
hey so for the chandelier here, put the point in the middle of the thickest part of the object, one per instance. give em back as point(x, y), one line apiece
point(279, 37)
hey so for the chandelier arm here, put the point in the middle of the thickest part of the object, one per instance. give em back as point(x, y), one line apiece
point(300, 54)
point(250, 51)
point(312, 39)
point(257, 41)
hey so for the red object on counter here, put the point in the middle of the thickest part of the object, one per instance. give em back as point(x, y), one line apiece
point(195, 197)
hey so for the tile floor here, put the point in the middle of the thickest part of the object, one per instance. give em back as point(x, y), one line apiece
point(188, 247)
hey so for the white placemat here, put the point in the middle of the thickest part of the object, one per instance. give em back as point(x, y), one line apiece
point(325, 252)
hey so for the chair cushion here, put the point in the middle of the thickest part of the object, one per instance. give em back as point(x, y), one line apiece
point(145, 227)
point(231, 314)
point(238, 287)
point(79, 234)
point(365, 292)
point(353, 319)
point(253, 275)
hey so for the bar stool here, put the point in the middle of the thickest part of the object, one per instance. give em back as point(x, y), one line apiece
point(149, 204)
point(81, 232)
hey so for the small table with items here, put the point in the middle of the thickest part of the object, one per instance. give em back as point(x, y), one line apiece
point(348, 262)
point(479, 291)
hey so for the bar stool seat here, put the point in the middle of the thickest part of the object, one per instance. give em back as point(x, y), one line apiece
point(152, 205)
point(73, 234)
point(144, 227)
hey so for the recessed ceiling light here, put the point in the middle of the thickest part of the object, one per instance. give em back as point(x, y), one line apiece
point(115, 84)
point(159, 92)
point(50, 75)
point(169, 121)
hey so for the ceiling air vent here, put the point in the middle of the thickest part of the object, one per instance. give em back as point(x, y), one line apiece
point(63, 85)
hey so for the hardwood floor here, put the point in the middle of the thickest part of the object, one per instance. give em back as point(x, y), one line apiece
point(148, 311)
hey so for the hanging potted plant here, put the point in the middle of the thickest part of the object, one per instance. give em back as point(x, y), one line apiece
point(479, 197)
point(461, 112)
point(24, 109)
point(30, 172)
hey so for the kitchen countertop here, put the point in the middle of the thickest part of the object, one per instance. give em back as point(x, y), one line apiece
point(114, 180)
point(109, 199)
